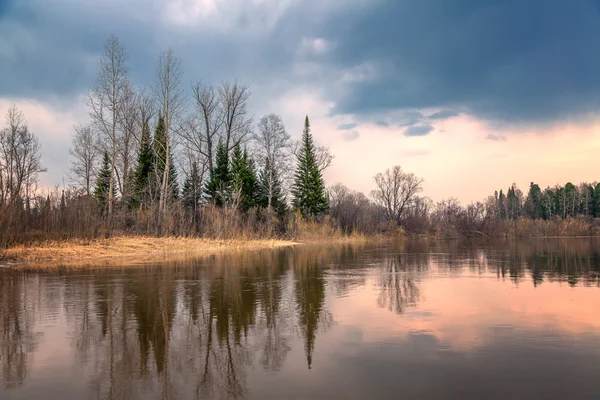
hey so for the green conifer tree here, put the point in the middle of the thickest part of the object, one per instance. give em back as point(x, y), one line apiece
point(191, 193)
point(103, 182)
point(243, 179)
point(144, 169)
point(308, 188)
point(218, 187)
point(159, 161)
point(278, 201)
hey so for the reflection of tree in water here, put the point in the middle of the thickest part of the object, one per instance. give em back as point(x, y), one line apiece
point(565, 260)
point(310, 300)
point(398, 285)
point(275, 346)
point(154, 309)
point(18, 342)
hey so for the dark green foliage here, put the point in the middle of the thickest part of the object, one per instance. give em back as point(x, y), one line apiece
point(191, 194)
point(533, 204)
point(160, 158)
point(218, 187)
point(278, 202)
point(562, 202)
point(547, 205)
point(308, 189)
point(513, 204)
point(243, 179)
point(597, 201)
point(103, 182)
point(502, 205)
point(143, 174)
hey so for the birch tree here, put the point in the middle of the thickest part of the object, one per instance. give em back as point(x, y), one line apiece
point(105, 101)
point(273, 147)
point(202, 128)
point(233, 98)
point(170, 100)
point(130, 135)
point(84, 153)
point(20, 158)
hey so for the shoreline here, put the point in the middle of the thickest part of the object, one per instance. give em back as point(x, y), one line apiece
point(129, 249)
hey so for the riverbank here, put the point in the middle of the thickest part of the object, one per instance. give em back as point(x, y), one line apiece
point(131, 248)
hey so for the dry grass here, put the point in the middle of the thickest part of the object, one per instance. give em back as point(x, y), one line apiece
point(138, 248)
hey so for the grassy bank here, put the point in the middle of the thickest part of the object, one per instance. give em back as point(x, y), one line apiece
point(131, 248)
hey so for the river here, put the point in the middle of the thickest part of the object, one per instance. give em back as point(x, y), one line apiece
point(430, 320)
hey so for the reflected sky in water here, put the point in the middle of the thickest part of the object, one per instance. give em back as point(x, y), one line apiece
point(414, 319)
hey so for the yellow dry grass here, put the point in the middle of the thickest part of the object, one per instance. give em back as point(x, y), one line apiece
point(138, 248)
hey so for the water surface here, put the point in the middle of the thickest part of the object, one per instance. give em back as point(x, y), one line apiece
point(379, 321)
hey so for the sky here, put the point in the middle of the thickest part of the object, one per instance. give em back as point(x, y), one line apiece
point(470, 95)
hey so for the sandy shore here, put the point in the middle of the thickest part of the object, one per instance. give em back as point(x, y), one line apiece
point(126, 249)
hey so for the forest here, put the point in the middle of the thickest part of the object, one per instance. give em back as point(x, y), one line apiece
point(170, 160)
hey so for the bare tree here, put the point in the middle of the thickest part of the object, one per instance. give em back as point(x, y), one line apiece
point(20, 157)
point(131, 130)
point(105, 101)
point(233, 98)
point(395, 191)
point(84, 152)
point(273, 146)
point(170, 99)
point(201, 129)
point(146, 110)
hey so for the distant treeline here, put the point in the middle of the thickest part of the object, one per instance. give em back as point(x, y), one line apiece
point(157, 161)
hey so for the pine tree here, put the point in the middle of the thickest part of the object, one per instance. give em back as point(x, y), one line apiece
point(103, 182)
point(309, 188)
point(533, 206)
point(278, 202)
point(243, 179)
point(191, 193)
point(218, 187)
point(145, 165)
point(502, 205)
point(159, 161)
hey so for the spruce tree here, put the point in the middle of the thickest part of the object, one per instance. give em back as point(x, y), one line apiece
point(103, 182)
point(309, 188)
point(243, 179)
point(597, 201)
point(218, 187)
point(144, 168)
point(278, 202)
point(159, 161)
point(191, 194)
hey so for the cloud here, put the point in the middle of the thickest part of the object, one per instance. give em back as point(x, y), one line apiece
point(383, 124)
point(418, 130)
point(349, 126)
point(370, 58)
point(534, 62)
point(410, 118)
point(497, 138)
point(444, 114)
point(351, 135)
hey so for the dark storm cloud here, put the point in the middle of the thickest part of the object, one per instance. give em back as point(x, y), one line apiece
point(506, 61)
point(516, 61)
point(418, 130)
point(445, 114)
point(52, 48)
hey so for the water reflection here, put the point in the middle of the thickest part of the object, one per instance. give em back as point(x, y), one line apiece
point(206, 329)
